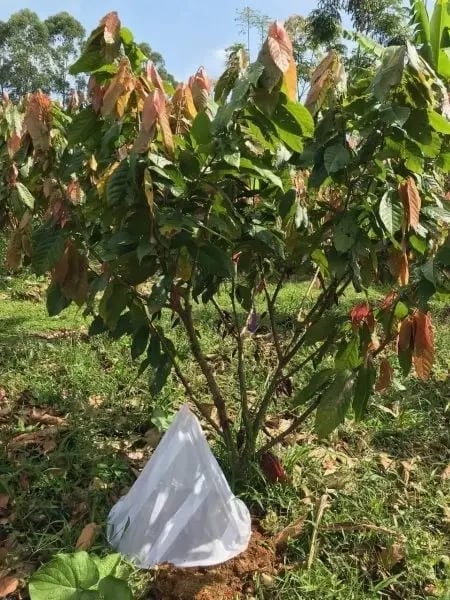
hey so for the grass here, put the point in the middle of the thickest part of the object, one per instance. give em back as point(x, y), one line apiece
point(382, 478)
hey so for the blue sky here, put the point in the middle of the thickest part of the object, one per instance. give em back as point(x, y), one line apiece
point(188, 33)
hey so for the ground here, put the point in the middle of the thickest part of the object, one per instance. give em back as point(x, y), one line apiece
point(368, 509)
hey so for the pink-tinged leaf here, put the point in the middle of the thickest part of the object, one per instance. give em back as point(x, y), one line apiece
point(410, 197)
point(38, 120)
point(111, 27)
point(280, 46)
point(153, 75)
point(200, 88)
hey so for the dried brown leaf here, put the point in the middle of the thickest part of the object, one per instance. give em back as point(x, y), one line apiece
point(291, 532)
point(410, 197)
point(8, 585)
point(392, 555)
point(423, 355)
point(385, 376)
point(386, 461)
point(119, 90)
point(4, 500)
point(446, 473)
point(42, 416)
point(87, 537)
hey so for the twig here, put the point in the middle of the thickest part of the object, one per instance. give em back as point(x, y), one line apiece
point(187, 386)
point(320, 510)
point(271, 310)
point(186, 317)
point(241, 365)
point(223, 318)
point(292, 427)
point(349, 526)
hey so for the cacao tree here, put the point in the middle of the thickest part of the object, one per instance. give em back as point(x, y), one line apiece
point(142, 207)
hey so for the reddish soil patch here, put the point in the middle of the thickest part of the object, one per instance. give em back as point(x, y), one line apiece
point(228, 581)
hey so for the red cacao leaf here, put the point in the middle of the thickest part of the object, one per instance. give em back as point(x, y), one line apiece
point(360, 313)
point(385, 376)
point(200, 87)
point(388, 301)
point(272, 468)
point(410, 197)
point(406, 335)
point(38, 120)
point(399, 265)
point(423, 354)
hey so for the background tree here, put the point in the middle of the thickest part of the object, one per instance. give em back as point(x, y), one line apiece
point(24, 51)
point(381, 19)
point(158, 61)
point(248, 20)
point(66, 36)
point(36, 54)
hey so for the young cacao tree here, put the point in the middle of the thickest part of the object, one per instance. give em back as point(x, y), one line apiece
point(142, 206)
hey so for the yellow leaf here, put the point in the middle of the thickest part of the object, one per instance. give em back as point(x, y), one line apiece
point(290, 85)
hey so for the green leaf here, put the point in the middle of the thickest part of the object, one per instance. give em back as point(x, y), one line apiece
point(391, 214)
point(364, 386)
point(443, 256)
point(215, 261)
point(159, 294)
point(393, 114)
point(444, 161)
point(293, 122)
point(316, 383)
point(113, 302)
point(107, 565)
point(48, 243)
point(65, 577)
point(140, 341)
point(112, 588)
point(334, 404)
point(346, 233)
point(160, 375)
point(439, 27)
point(438, 122)
point(401, 310)
point(25, 195)
point(118, 183)
point(82, 126)
point(302, 116)
point(266, 174)
point(336, 157)
point(390, 72)
point(348, 356)
point(322, 330)
point(56, 301)
point(201, 129)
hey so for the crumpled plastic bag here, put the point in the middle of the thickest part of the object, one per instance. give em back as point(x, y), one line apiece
point(180, 509)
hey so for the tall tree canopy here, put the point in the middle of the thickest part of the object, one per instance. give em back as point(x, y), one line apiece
point(35, 54)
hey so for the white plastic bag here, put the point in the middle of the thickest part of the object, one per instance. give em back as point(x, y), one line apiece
point(180, 510)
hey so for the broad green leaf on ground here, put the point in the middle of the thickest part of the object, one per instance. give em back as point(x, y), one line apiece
point(65, 577)
point(107, 565)
point(112, 588)
point(334, 404)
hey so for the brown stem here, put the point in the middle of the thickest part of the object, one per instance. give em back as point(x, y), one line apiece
point(293, 427)
point(219, 402)
point(241, 365)
point(187, 386)
point(224, 319)
point(271, 310)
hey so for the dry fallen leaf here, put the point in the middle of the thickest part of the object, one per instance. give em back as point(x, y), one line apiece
point(8, 585)
point(291, 532)
point(44, 417)
point(96, 400)
point(446, 473)
point(385, 461)
point(87, 537)
point(392, 555)
point(4, 500)
point(408, 466)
